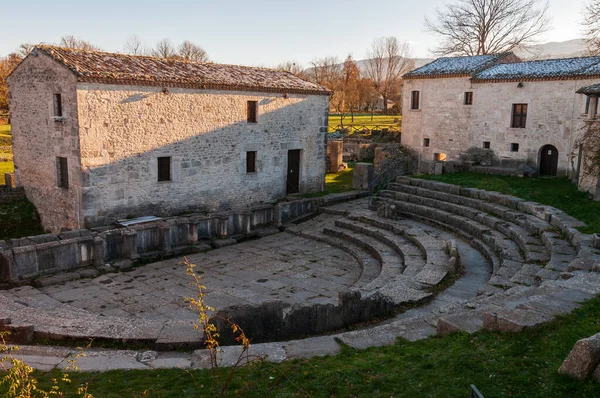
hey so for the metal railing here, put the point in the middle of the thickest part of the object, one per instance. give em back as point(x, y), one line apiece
point(382, 179)
point(368, 129)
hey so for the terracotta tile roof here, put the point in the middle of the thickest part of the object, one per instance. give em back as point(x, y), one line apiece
point(594, 89)
point(549, 69)
point(101, 67)
point(456, 66)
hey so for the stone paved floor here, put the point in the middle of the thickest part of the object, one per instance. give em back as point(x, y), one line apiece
point(280, 267)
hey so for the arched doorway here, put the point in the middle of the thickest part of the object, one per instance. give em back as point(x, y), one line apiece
point(548, 160)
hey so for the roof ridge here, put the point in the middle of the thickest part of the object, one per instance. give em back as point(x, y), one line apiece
point(183, 60)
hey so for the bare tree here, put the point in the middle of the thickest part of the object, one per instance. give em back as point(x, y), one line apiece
point(387, 61)
point(192, 52)
point(71, 41)
point(7, 64)
point(292, 67)
point(476, 27)
point(325, 71)
point(134, 46)
point(591, 26)
point(164, 49)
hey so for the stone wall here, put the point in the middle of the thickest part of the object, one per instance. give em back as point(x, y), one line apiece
point(39, 138)
point(8, 194)
point(554, 116)
point(124, 129)
point(26, 258)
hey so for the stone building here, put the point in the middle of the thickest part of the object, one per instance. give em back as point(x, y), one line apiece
point(589, 144)
point(100, 136)
point(526, 112)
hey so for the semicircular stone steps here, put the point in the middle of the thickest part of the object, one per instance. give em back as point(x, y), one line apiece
point(544, 272)
point(410, 261)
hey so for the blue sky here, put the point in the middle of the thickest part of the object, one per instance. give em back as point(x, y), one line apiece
point(256, 32)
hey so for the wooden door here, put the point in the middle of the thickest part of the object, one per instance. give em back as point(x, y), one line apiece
point(293, 171)
point(549, 160)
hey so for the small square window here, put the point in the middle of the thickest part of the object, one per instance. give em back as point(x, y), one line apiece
point(486, 145)
point(414, 99)
point(469, 98)
point(440, 157)
point(164, 168)
point(252, 111)
point(57, 102)
point(251, 162)
point(426, 142)
point(514, 147)
point(62, 172)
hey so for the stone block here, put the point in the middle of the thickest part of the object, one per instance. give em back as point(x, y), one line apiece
point(335, 150)
point(435, 168)
point(513, 320)
point(583, 358)
point(363, 175)
point(597, 240)
point(10, 180)
point(25, 262)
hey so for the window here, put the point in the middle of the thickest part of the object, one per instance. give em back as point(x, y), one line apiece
point(514, 147)
point(486, 145)
point(440, 157)
point(587, 106)
point(62, 172)
point(252, 111)
point(519, 116)
point(414, 99)
point(426, 142)
point(469, 98)
point(164, 168)
point(251, 162)
point(57, 100)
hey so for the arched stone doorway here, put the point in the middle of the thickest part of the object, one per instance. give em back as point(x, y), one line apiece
point(548, 160)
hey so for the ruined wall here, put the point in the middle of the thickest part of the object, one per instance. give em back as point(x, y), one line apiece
point(554, 116)
point(124, 129)
point(39, 138)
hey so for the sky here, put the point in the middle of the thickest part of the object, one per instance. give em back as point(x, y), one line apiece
point(257, 32)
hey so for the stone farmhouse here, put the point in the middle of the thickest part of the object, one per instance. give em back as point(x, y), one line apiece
point(100, 136)
point(526, 112)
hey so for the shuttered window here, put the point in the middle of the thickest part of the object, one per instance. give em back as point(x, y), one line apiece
point(519, 116)
point(414, 100)
point(469, 98)
point(251, 162)
point(57, 100)
point(164, 168)
point(62, 172)
point(252, 111)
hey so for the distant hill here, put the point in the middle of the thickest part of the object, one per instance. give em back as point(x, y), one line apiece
point(561, 49)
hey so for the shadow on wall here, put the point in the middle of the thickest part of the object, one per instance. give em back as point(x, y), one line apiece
point(143, 168)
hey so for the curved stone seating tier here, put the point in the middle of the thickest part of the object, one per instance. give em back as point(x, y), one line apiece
point(408, 261)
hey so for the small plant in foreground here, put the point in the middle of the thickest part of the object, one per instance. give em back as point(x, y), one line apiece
point(19, 378)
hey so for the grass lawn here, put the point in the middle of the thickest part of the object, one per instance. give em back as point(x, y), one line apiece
point(551, 191)
point(5, 167)
point(16, 220)
point(383, 121)
point(4, 129)
point(500, 365)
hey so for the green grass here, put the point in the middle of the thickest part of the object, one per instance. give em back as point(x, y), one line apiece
point(500, 365)
point(5, 167)
point(383, 121)
point(551, 191)
point(18, 219)
point(4, 129)
point(336, 182)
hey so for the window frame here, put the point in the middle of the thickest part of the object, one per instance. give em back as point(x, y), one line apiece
point(62, 172)
point(519, 116)
point(252, 111)
point(415, 100)
point(468, 100)
point(251, 162)
point(426, 142)
point(161, 163)
point(57, 106)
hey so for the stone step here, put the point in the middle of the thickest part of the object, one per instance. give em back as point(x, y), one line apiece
point(532, 246)
point(364, 260)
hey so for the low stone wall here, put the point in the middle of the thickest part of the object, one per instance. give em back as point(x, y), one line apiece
point(23, 259)
point(8, 194)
